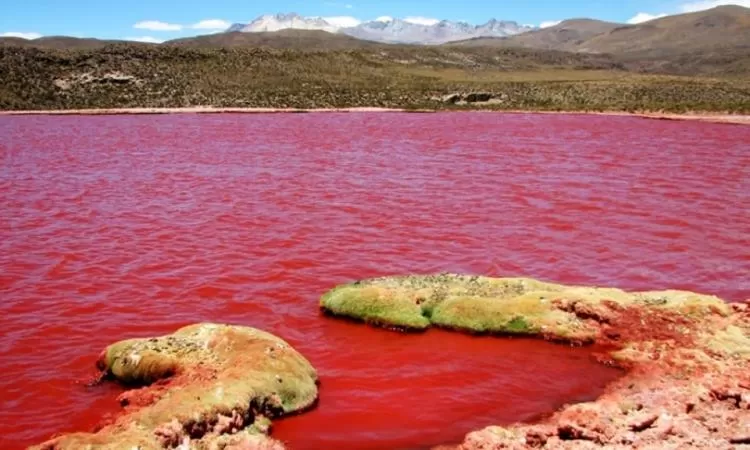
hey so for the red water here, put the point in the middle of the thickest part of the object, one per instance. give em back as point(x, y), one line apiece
point(123, 226)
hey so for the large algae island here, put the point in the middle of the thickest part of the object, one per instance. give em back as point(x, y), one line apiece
point(687, 355)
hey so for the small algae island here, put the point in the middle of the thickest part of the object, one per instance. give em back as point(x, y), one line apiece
point(687, 355)
point(207, 387)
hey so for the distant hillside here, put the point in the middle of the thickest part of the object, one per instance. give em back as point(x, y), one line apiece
point(721, 61)
point(567, 35)
point(58, 42)
point(14, 41)
point(314, 40)
point(128, 75)
point(725, 26)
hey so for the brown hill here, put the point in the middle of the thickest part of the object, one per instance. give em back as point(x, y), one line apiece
point(567, 35)
point(13, 41)
point(58, 42)
point(724, 26)
point(283, 39)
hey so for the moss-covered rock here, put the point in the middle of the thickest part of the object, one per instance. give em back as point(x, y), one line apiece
point(376, 306)
point(207, 386)
point(520, 306)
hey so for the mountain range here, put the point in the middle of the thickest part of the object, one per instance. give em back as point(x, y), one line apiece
point(387, 29)
point(712, 41)
point(720, 28)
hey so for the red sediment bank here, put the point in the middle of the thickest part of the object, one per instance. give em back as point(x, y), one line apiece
point(688, 386)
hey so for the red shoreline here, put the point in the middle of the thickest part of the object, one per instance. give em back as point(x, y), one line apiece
point(701, 117)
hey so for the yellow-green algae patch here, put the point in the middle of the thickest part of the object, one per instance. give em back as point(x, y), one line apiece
point(376, 306)
point(208, 386)
point(497, 305)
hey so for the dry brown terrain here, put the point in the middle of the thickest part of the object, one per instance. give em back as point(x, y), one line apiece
point(696, 62)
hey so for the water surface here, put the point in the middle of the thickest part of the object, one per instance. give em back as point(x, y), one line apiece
point(123, 226)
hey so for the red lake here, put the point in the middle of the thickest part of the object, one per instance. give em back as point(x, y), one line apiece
point(130, 226)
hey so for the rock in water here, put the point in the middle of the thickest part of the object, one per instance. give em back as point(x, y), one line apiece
point(206, 386)
point(688, 354)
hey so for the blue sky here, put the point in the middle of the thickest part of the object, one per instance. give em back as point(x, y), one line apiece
point(158, 20)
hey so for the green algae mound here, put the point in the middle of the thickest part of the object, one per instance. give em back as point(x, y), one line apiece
point(518, 306)
point(207, 386)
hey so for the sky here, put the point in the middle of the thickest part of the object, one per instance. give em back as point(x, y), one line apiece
point(159, 20)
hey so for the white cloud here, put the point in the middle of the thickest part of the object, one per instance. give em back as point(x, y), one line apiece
point(550, 23)
point(708, 4)
point(211, 24)
point(418, 20)
point(148, 39)
point(155, 25)
point(384, 19)
point(342, 21)
point(644, 17)
point(21, 35)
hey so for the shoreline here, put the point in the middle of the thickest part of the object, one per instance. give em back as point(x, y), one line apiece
point(700, 117)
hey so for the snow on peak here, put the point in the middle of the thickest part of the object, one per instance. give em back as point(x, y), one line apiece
point(416, 30)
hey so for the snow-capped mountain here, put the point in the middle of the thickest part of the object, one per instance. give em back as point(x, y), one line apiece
point(497, 27)
point(402, 31)
point(387, 29)
point(285, 21)
point(236, 27)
